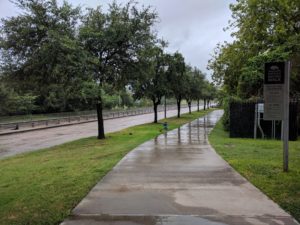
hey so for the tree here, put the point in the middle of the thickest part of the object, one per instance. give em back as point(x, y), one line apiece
point(212, 93)
point(176, 77)
point(197, 86)
point(264, 31)
point(152, 81)
point(209, 93)
point(226, 64)
point(113, 41)
point(193, 86)
point(187, 87)
point(40, 53)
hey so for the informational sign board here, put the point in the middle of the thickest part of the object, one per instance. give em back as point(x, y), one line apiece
point(276, 96)
point(274, 91)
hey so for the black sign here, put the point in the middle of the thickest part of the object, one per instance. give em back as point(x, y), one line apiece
point(274, 73)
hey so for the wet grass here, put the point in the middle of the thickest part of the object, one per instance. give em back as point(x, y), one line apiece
point(260, 161)
point(43, 187)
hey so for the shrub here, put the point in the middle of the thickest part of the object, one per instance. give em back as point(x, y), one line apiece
point(226, 102)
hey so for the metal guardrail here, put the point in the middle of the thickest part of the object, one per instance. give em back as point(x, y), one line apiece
point(78, 119)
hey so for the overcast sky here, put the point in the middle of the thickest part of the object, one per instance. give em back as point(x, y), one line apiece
point(193, 27)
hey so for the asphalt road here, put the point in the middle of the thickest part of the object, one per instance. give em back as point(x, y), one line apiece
point(13, 144)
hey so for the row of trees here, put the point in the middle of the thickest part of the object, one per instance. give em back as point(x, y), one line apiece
point(53, 53)
point(167, 75)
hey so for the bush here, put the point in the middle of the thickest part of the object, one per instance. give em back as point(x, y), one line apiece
point(143, 103)
point(127, 99)
point(110, 101)
point(226, 102)
point(14, 104)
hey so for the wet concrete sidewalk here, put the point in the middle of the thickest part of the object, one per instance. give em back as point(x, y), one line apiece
point(177, 179)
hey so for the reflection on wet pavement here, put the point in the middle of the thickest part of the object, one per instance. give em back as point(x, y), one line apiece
point(177, 178)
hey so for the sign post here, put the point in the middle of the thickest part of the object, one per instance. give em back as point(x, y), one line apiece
point(285, 121)
point(276, 96)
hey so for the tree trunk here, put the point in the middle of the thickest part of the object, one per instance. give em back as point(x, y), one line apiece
point(100, 120)
point(155, 111)
point(207, 104)
point(204, 104)
point(198, 105)
point(178, 107)
point(190, 107)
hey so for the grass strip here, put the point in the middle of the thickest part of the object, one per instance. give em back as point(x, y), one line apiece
point(260, 161)
point(43, 187)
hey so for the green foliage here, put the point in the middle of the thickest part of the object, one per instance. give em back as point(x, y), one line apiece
point(176, 75)
point(66, 60)
point(110, 101)
point(144, 102)
point(40, 52)
point(12, 103)
point(126, 99)
point(5, 98)
point(264, 31)
point(89, 92)
point(44, 53)
point(220, 96)
point(22, 104)
point(195, 84)
point(152, 81)
point(250, 82)
point(209, 91)
point(226, 103)
point(114, 39)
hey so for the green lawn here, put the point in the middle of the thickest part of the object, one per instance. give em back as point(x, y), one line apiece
point(42, 187)
point(260, 161)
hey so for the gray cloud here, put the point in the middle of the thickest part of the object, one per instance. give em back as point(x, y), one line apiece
point(193, 27)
